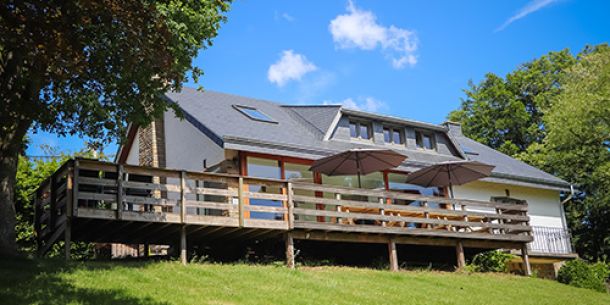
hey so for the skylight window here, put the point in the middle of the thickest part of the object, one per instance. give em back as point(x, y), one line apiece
point(254, 114)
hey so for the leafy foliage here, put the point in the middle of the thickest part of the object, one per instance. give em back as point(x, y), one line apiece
point(506, 113)
point(87, 67)
point(581, 274)
point(553, 113)
point(490, 261)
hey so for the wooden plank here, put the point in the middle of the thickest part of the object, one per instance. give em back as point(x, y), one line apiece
point(266, 196)
point(119, 192)
point(151, 216)
point(183, 198)
point(408, 231)
point(364, 204)
point(265, 224)
point(260, 208)
point(290, 204)
point(152, 186)
point(310, 212)
point(150, 200)
point(212, 220)
point(397, 195)
point(75, 191)
point(96, 166)
point(211, 205)
point(96, 213)
point(97, 181)
point(213, 191)
point(241, 198)
point(96, 196)
point(211, 177)
point(152, 171)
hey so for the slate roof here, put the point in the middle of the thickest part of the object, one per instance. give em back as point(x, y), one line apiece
point(299, 131)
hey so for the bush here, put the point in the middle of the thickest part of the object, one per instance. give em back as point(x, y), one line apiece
point(491, 261)
point(579, 273)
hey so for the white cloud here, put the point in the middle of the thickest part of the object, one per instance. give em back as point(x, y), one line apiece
point(291, 66)
point(359, 29)
point(287, 17)
point(529, 8)
point(365, 104)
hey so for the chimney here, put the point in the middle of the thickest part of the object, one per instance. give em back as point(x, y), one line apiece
point(455, 129)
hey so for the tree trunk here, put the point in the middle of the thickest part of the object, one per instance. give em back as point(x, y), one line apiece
point(8, 171)
point(11, 144)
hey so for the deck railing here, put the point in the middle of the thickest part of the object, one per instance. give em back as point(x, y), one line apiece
point(93, 189)
point(550, 240)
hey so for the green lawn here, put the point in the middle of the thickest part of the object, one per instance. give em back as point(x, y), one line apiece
point(53, 282)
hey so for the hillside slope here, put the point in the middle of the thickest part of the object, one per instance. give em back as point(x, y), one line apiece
point(53, 282)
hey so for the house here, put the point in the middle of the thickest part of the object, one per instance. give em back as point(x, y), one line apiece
point(225, 133)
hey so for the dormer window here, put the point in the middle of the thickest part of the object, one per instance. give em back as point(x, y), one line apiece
point(425, 140)
point(360, 130)
point(254, 114)
point(393, 135)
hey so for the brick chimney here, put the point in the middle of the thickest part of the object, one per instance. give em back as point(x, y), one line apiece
point(455, 129)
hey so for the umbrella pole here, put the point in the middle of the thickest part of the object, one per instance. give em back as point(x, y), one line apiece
point(359, 182)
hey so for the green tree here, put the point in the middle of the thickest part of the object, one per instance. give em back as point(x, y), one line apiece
point(577, 148)
point(87, 67)
point(506, 113)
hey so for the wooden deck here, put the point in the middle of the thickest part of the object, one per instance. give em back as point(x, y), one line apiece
point(96, 201)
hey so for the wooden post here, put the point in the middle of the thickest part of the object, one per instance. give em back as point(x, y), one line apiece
point(146, 250)
point(382, 211)
point(459, 251)
point(119, 191)
point(183, 258)
point(53, 204)
point(68, 238)
point(182, 197)
point(75, 171)
point(240, 196)
point(290, 206)
point(393, 255)
point(289, 251)
point(526, 260)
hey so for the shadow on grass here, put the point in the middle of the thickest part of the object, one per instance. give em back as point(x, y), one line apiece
point(26, 281)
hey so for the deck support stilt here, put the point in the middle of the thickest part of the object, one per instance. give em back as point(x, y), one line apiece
point(393, 253)
point(526, 260)
point(146, 250)
point(68, 238)
point(459, 252)
point(289, 251)
point(183, 258)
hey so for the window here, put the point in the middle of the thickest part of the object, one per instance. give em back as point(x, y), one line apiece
point(360, 130)
point(253, 113)
point(425, 140)
point(393, 135)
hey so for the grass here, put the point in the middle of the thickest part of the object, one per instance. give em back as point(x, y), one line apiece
point(129, 283)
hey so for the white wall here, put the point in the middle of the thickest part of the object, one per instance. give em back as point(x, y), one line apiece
point(133, 158)
point(186, 146)
point(544, 206)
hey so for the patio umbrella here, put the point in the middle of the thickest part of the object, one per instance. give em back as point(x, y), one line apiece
point(358, 161)
point(450, 173)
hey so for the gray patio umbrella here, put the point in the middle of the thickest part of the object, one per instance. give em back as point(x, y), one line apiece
point(450, 173)
point(358, 161)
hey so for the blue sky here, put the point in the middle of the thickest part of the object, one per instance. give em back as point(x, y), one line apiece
point(406, 58)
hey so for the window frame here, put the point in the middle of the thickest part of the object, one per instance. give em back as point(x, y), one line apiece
point(359, 124)
point(242, 109)
point(392, 130)
point(419, 140)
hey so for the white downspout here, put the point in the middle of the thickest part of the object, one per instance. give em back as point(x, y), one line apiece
point(562, 204)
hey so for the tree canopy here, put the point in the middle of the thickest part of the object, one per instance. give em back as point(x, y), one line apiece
point(88, 67)
point(554, 113)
